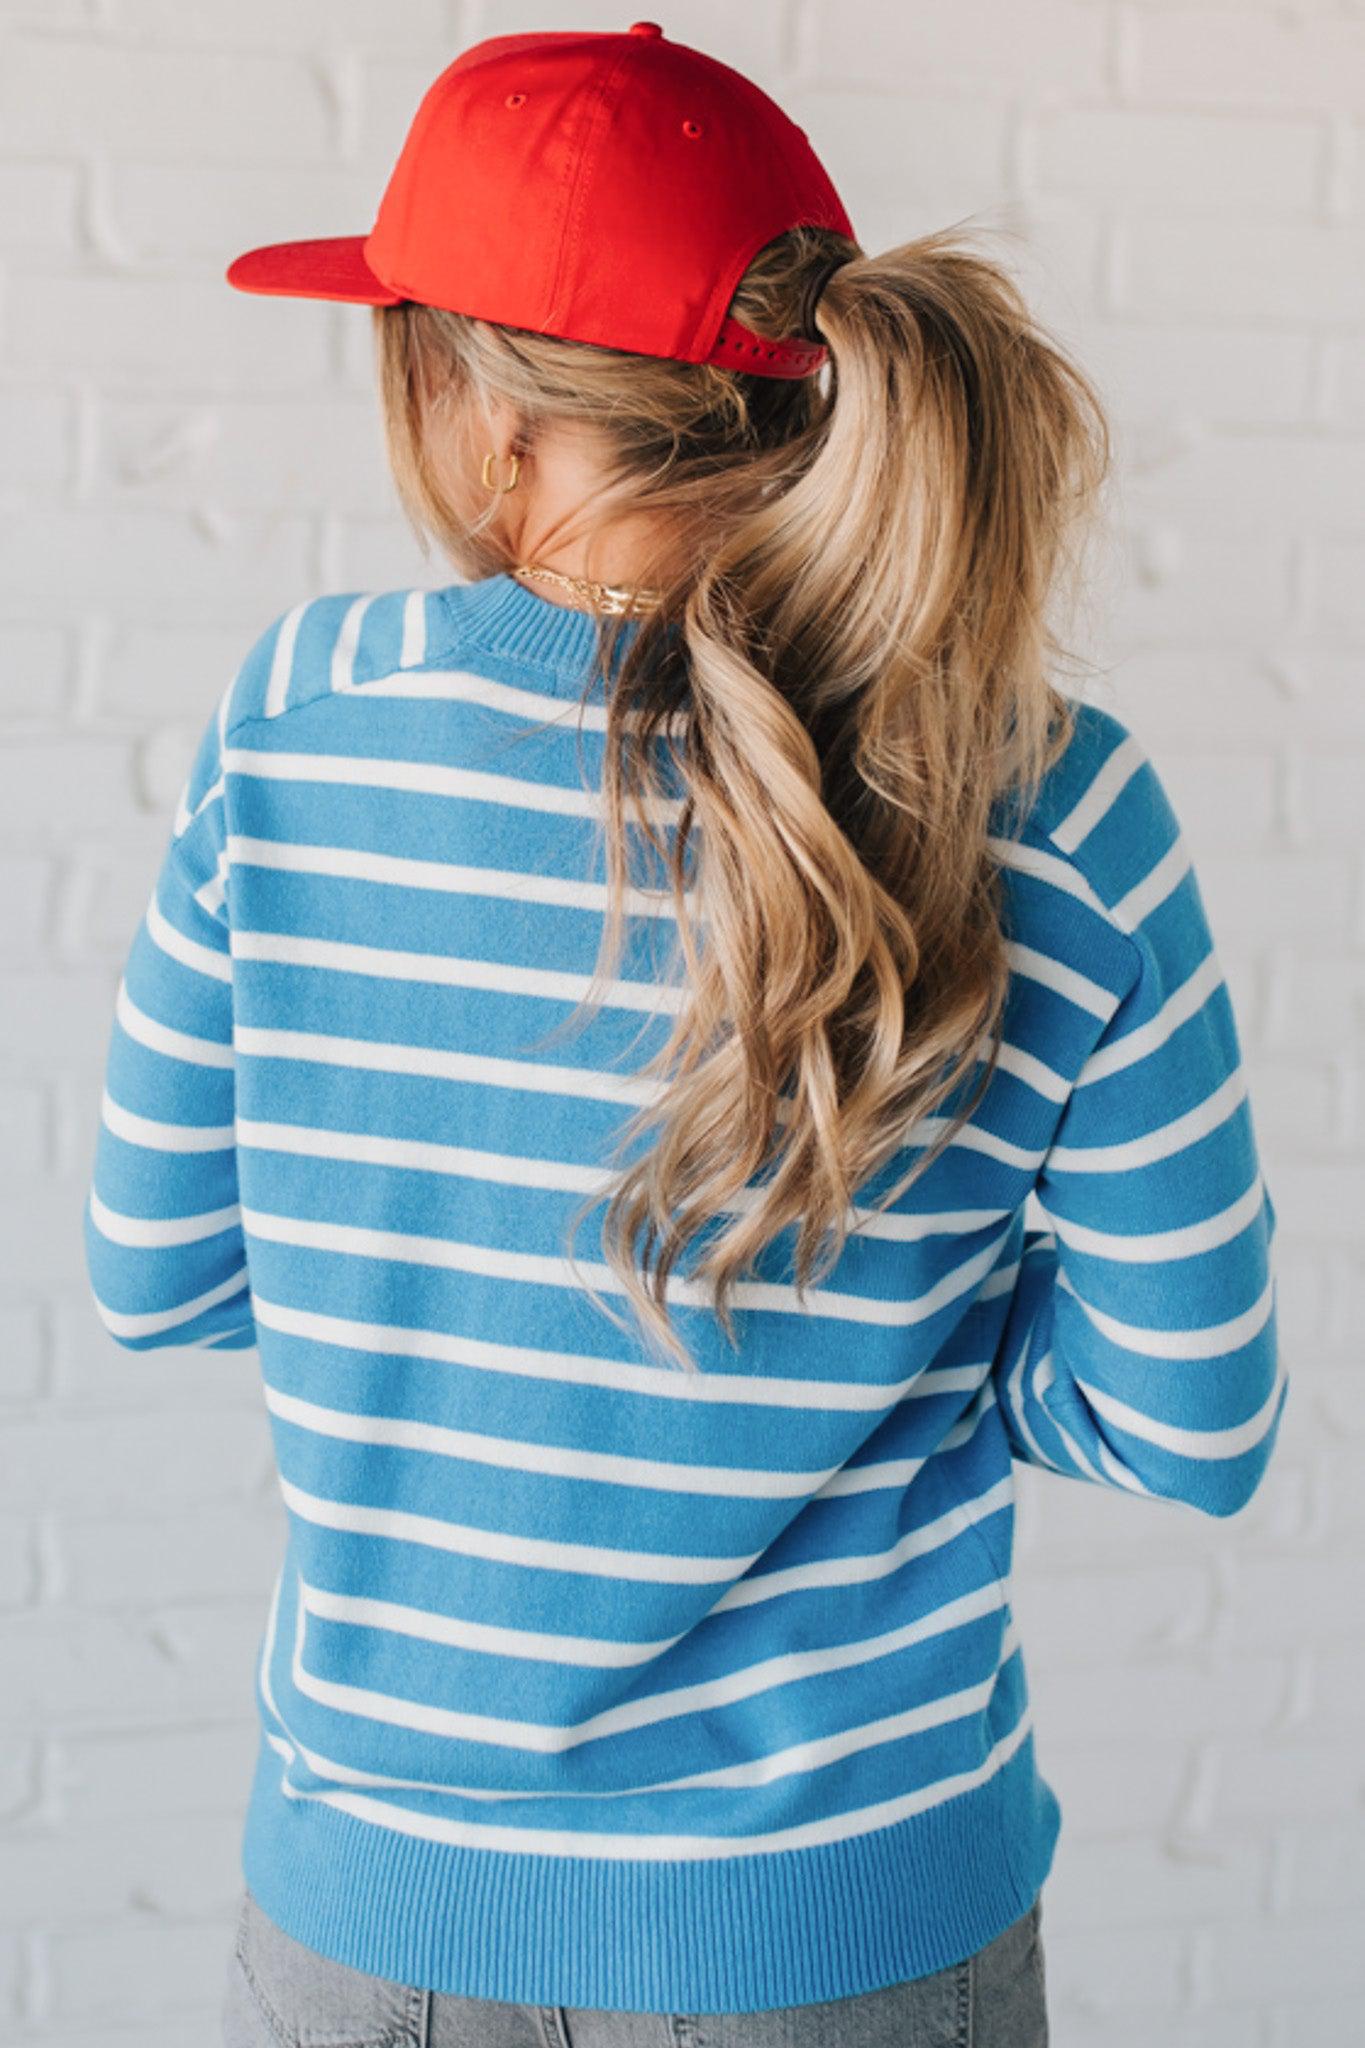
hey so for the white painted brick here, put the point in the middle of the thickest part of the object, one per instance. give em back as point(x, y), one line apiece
point(1187, 584)
point(1295, 273)
point(1321, 1952)
point(755, 40)
point(192, 334)
point(1135, 1881)
point(906, 146)
point(1104, 1973)
point(1346, 379)
point(1324, 1866)
point(23, 1127)
point(1264, 1778)
point(1265, 896)
point(172, 1866)
point(1251, 482)
point(293, 454)
point(149, 1969)
point(1219, 376)
point(33, 664)
point(25, 1364)
point(961, 50)
point(1325, 1201)
point(1292, 1601)
point(50, 788)
point(18, 1582)
point(38, 204)
point(144, 566)
point(1225, 797)
point(161, 1772)
point(303, 25)
point(1098, 1799)
point(1338, 587)
point(96, 1463)
point(1317, 1001)
point(203, 1553)
point(140, 1381)
point(1295, 1100)
point(1213, 1694)
point(155, 671)
point(214, 211)
point(1328, 798)
point(1134, 157)
point(1278, 57)
point(65, 94)
point(26, 899)
point(36, 434)
point(1077, 1618)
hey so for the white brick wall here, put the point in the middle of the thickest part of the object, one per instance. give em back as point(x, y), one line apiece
point(1182, 190)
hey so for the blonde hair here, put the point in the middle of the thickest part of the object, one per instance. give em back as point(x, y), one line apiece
point(857, 569)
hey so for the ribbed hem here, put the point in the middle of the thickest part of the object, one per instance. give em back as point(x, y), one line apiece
point(738, 1934)
point(509, 619)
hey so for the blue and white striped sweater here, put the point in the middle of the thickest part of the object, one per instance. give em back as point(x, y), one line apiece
point(572, 1691)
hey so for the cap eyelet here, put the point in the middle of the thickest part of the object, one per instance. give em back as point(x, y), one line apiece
point(515, 99)
point(691, 129)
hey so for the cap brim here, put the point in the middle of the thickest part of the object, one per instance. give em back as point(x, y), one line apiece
point(329, 267)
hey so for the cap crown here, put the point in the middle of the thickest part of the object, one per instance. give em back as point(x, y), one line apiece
point(607, 188)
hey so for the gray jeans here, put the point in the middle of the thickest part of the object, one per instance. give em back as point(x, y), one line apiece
point(283, 1995)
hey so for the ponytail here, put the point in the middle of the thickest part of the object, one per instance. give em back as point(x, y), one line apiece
point(861, 661)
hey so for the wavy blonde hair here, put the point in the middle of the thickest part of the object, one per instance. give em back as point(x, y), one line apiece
point(853, 657)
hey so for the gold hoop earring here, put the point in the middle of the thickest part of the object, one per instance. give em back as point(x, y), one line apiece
point(488, 482)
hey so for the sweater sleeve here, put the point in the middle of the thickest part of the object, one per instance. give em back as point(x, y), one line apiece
point(1140, 1348)
point(162, 1222)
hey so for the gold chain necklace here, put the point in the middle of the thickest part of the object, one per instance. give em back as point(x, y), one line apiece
point(601, 597)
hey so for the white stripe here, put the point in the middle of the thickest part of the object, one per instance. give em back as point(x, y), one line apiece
point(401, 871)
point(359, 1241)
point(763, 1390)
point(1214, 1340)
point(1166, 1139)
point(414, 642)
point(1114, 772)
point(429, 778)
point(1150, 1247)
point(1193, 1443)
point(538, 1738)
point(432, 1063)
point(1047, 867)
point(1134, 1045)
point(561, 1841)
point(498, 977)
point(346, 643)
point(398, 1525)
point(158, 1233)
point(178, 1045)
point(282, 664)
point(547, 710)
point(171, 941)
point(163, 1137)
point(1033, 1072)
point(664, 1848)
point(150, 1324)
point(432, 1155)
point(545, 1459)
point(1077, 988)
point(1156, 885)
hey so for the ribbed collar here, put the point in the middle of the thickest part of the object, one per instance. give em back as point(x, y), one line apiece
point(507, 618)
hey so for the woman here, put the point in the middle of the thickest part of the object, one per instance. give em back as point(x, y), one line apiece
point(642, 1665)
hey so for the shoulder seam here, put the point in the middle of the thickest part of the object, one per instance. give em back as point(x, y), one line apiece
point(326, 689)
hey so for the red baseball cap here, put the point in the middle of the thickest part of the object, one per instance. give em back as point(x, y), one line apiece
point(598, 186)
